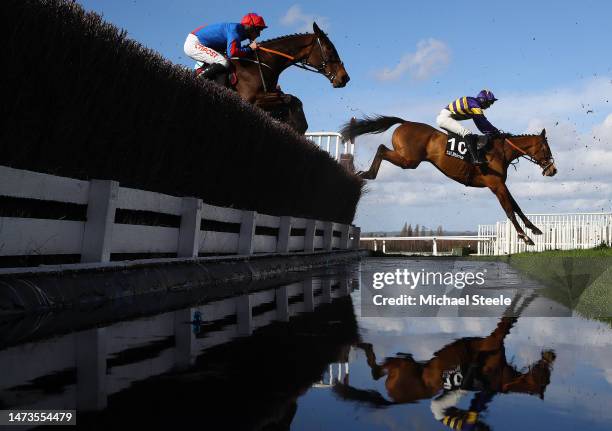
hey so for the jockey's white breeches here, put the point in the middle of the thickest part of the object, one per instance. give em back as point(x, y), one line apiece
point(448, 123)
point(194, 49)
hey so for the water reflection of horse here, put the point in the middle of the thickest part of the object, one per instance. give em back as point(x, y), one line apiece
point(258, 76)
point(414, 143)
point(469, 364)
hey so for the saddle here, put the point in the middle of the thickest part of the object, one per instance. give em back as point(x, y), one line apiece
point(456, 146)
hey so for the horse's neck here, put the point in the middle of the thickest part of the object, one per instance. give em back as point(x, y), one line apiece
point(297, 47)
point(511, 153)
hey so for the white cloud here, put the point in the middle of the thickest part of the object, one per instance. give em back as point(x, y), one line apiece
point(603, 131)
point(574, 106)
point(431, 57)
point(302, 22)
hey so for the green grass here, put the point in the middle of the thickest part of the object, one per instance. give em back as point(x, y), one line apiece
point(578, 279)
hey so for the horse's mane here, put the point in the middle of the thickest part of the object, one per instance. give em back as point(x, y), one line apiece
point(322, 35)
point(524, 135)
point(281, 38)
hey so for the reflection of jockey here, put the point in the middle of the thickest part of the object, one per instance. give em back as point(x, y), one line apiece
point(205, 44)
point(444, 410)
point(465, 108)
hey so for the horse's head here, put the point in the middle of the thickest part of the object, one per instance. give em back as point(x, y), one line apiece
point(326, 60)
point(537, 147)
point(535, 380)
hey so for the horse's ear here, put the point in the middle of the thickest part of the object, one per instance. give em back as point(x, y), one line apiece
point(316, 28)
point(543, 133)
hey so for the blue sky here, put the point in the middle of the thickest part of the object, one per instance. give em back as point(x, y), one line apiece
point(548, 63)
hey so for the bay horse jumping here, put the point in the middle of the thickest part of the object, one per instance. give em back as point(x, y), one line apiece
point(258, 74)
point(414, 143)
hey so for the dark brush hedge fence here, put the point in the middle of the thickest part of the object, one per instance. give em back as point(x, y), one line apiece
point(80, 99)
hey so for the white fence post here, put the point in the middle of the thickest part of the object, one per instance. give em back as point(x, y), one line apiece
point(356, 238)
point(326, 293)
point(309, 235)
point(282, 304)
point(308, 295)
point(508, 237)
point(98, 234)
point(247, 232)
point(328, 236)
point(384, 247)
point(184, 338)
point(344, 237)
point(244, 315)
point(284, 232)
point(91, 350)
point(189, 233)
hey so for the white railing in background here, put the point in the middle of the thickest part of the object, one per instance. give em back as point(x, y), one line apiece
point(433, 239)
point(559, 232)
point(99, 236)
point(328, 380)
point(332, 143)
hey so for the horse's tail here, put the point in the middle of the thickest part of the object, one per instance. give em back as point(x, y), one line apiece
point(375, 124)
point(369, 397)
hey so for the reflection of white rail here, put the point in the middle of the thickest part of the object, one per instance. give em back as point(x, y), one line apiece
point(559, 232)
point(88, 351)
point(434, 239)
point(332, 143)
point(328, 380)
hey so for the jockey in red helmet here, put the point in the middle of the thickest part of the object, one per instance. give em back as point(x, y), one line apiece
point(207, 43)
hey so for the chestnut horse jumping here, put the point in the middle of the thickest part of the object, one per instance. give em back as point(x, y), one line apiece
point(258, 75)
point(414, 143)
point(476, 364)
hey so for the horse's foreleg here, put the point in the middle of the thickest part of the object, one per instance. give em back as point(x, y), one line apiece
point(377, 370)
point(384, 153)
point(505, 200)
point(527, 222)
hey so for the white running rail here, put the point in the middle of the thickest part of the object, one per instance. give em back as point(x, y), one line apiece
point(434, 239)
point(559, 232)
point(332, 143)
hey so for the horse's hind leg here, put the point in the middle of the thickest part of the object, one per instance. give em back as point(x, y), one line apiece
point(384, 153)
point(527, 222)
point(505, 200)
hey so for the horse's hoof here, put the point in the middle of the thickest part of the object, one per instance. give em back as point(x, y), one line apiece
point(525, 238)
point(535, 230)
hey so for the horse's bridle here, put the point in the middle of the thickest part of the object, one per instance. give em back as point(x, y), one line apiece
point(304, 64)
point(544, 164)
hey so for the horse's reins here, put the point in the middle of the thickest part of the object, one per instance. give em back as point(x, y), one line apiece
point(302, 64)
point(271, 51)
point(263, 81)
point(551, 161)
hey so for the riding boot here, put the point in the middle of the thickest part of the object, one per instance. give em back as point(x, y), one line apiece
point(471, 142)
point(214, 72)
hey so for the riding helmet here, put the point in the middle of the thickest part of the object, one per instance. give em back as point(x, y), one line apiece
point(254, 20)
point(487, 96)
